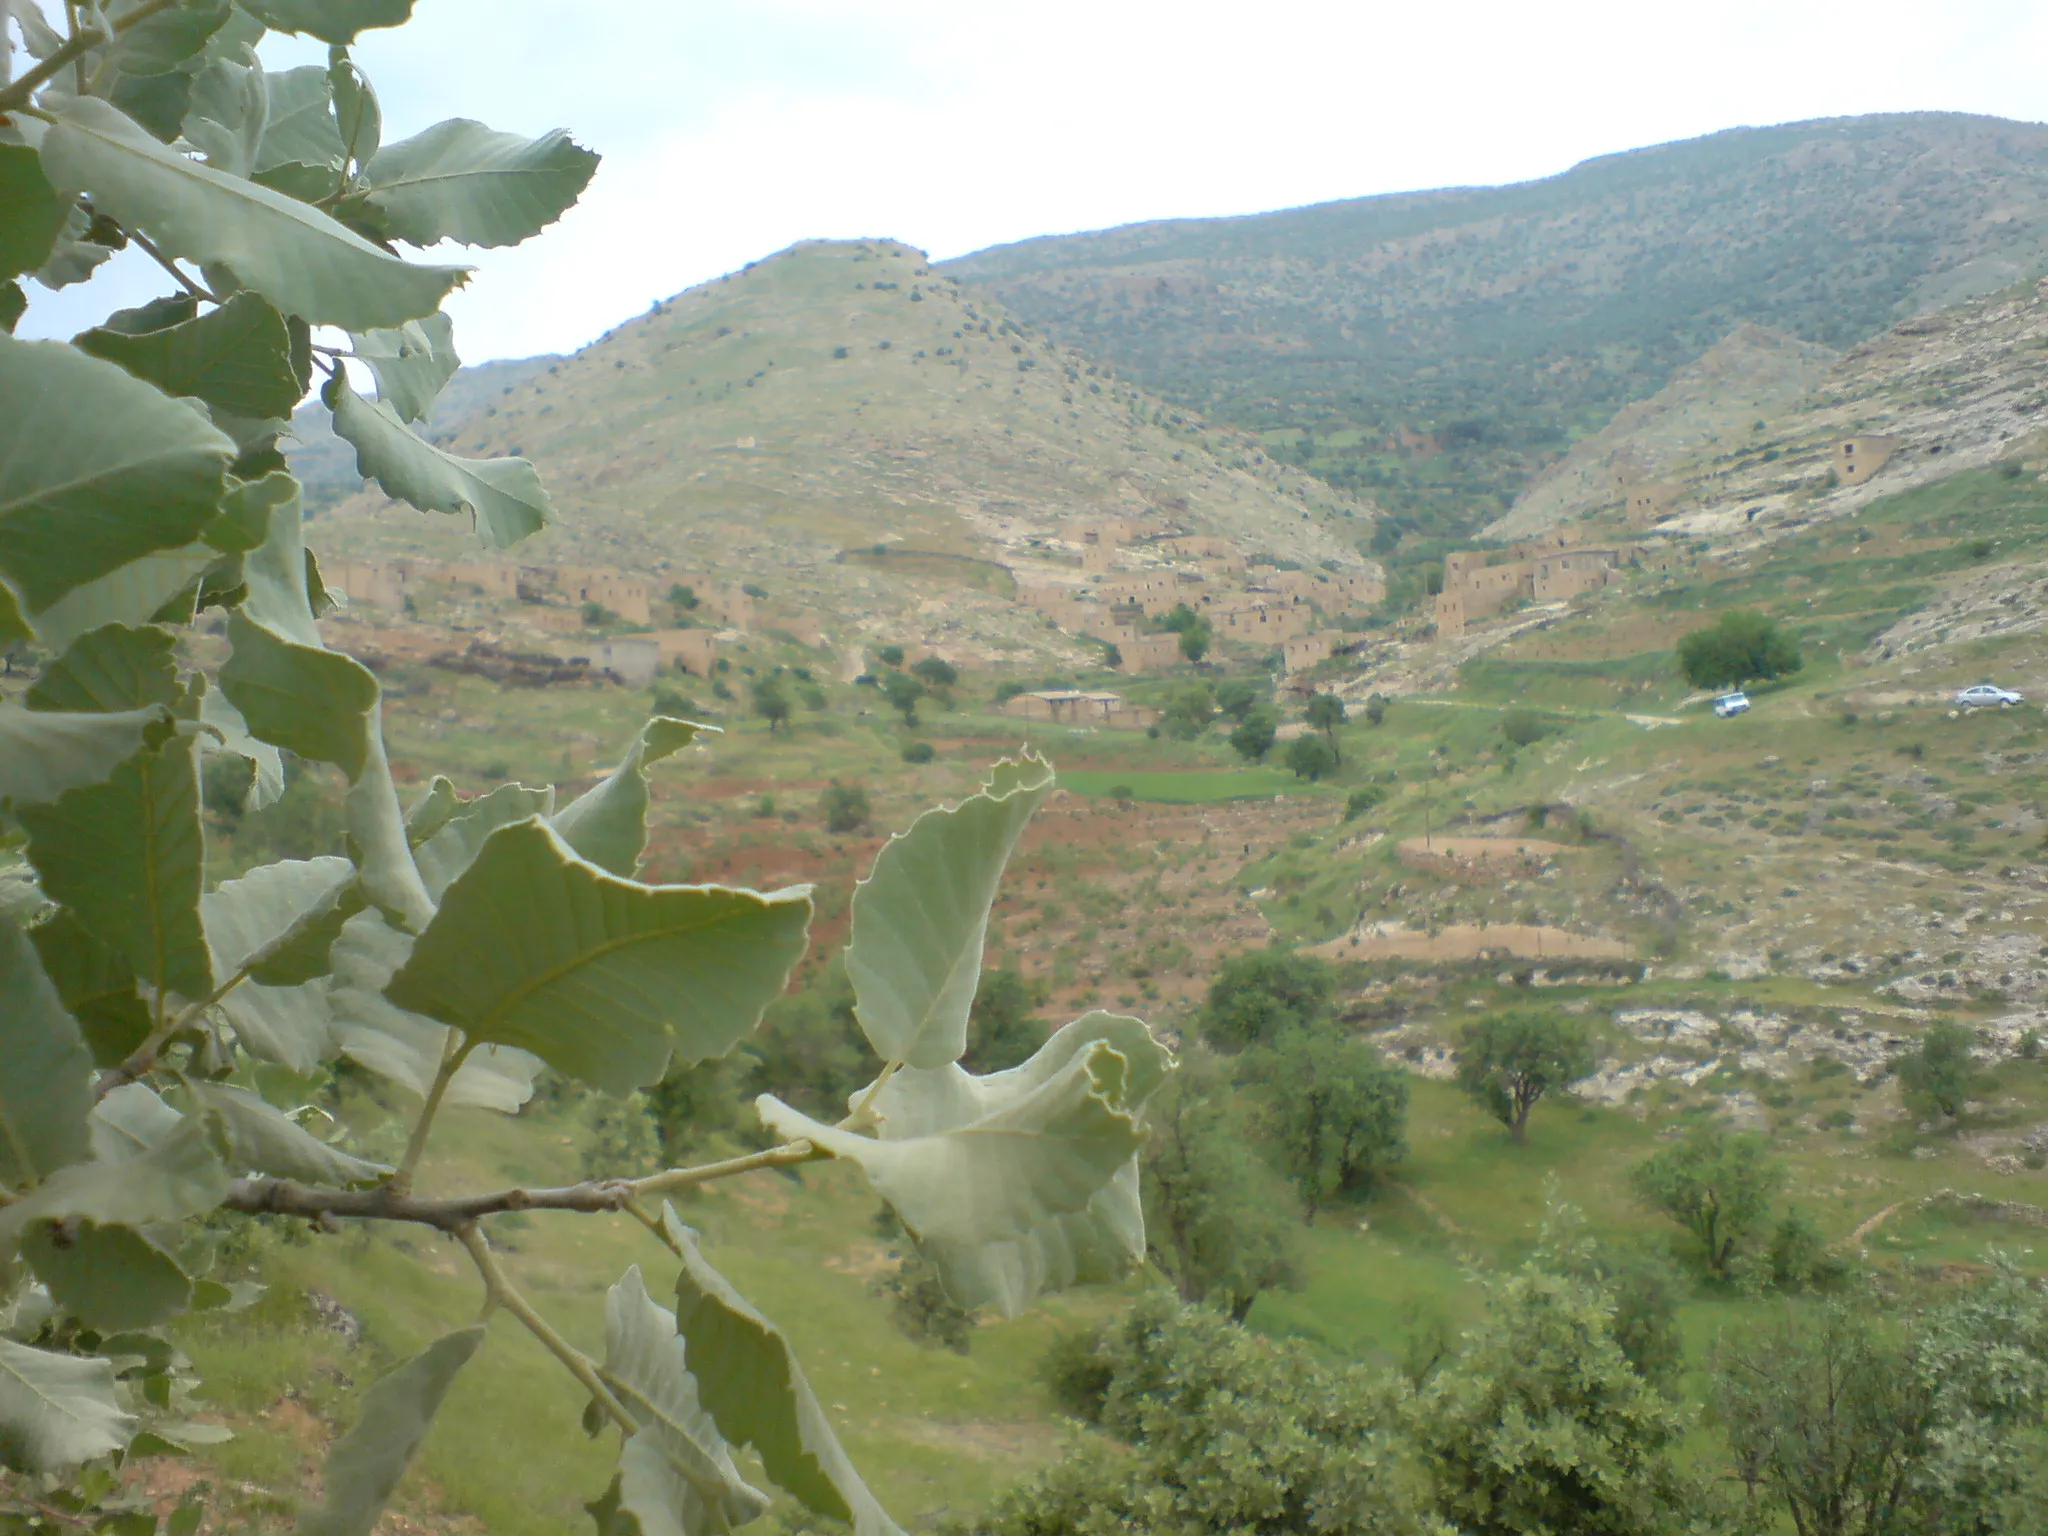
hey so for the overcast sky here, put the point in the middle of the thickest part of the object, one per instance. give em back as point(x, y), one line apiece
point(729, 131)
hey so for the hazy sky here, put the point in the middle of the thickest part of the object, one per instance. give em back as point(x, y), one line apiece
point(729, 131)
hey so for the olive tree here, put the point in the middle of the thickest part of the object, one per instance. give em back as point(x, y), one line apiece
point(1508, 1061)
point(458, 945)
point(1716, 1184)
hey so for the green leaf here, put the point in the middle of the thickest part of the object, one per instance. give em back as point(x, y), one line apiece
point(292, 1026)
point(236, 358)
point(176, 1178)
point(157, 102)
point(263, 1139)
point(234, 740)
point(114, 667)
point(434, 809)
point(44, 755)
point(131, 1121)
point(451, 850)
point(677, 1474)
point(280, 920)
point(57, 1410)
point(109, 1277)
point(749, 1379)
point(921, 919)
point(246, 512)
point(13, 305)
point(96, 469)
point(300, 128)
point(127, 856)
point(461, 181)
point(161, 43)
point(75, 257)
point(503, 497)
point(228, 108)
point(35, 213)
point(602, 978)
point(607, 824)
point(139, 592)
point(96, 986)
point(295, 256)
point(365, 1465)
point(405, 1047)
point(305, 699)
point(1019, 1182)
point(356, 113)
point(332, 21)
point(412, 363)
point(46, 1089)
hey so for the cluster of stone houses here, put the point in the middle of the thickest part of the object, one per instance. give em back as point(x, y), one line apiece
point(1480, 583)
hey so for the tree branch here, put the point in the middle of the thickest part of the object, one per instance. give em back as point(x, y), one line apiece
point(453, 1054)
point(150, 250)
point(282, 1197)
point(77, 45)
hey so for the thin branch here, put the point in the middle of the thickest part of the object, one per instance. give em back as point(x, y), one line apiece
point(150, 250)
point(282, 1197)
point(453, 1054)
point(144, 1056)
point(864, 1112)
point(580, 1365)
point(76, 46)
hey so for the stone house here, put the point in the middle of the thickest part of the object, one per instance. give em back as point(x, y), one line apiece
point(1858, 458)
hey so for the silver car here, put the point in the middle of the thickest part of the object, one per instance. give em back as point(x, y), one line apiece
point(1980, 695)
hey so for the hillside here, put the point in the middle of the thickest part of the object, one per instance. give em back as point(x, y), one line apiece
point(1438, 349)
point(804, 425)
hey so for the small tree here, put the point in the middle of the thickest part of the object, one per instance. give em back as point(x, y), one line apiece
point(1195, 631)
point(1524, 727)
point(1326, 713)
point(903, 691)
point(1717, 1185)
point(593, 614)
point(845, 806)
point(1188, 712)
point(1310, 757)
point(1507, 1061)
point(1262, 992)
point(936, 671)
point(1335, 1112)
point(682, 597)
point(1739, 647)
point(1253, 737)
point(1219, 1223)
point(890, 655)
point(1937, 1078)
point(771, 701)
point(1238, 696)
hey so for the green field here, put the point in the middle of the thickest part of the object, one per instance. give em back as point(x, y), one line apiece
point(1193, 787)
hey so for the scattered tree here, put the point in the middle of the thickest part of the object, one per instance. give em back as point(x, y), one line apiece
point(1508, 1061)
point(1739, 647)
point(1187, 712)
point(682, 597)
point(771, 700)
point(936, 671)
point(1524, 727)
point(1238, 696)
point(1195, 631)
point(594, 614)
point(903, 693)
point(1334, 1111)
point(1365, 798)
point(1310, 757)
point(890, 655)
point(1260, 993)
point(1716, 1184)
point(918, 752)
point(1938, 1076)
point(1326, 713)
point(1253, 737)
point(845, 806)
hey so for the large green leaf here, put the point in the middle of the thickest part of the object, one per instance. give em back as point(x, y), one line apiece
point(176, 1178)
point(110, 1277)
point(452, 849)
point(280, 920)
point(376, 829)
point(461, 181)
point(677, 1476)
point(295, 256)
point(131, 1122)
point(300, 128)
point(402, 1046)
point(503, 497)
point(366, 1463)
point(292, 1026)
point(127, 856)
point(114, 667)
point(412, 363)
point(43, 755)
point(263, 1139)
point(332, 21)
point(134, 594)
point(46, 1087)
point(607, 824)
point(305, 699)
point(96, 985)
point(34, 211)
point(921, 919)
point(96, 469)
point(356, 112)
point(749, 1379)
point(161, 43)
point(600, 977)
point(57, 1410)
point(1020, 1182)
point(237, 358)
point(227, 733)
point(226, 113)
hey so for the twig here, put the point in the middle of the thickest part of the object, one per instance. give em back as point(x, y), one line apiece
point(864, 1112)
point(150, 250)
point(581, 1366)
point(282, 1197)
point(144, 1056)
point(454, 1052)
point(78, 44)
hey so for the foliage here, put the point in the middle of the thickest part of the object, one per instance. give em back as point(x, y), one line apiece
point(1187, 712)
point(1200, 1427)
point(1524, 727)
point(1716, 1184)
point(771, 700)
point(936, 671)
point(1253, 737)
point(1236, 697)
point(457, 948)
point(1542, 1424)
point(1219, 1223)
point(903, 693)
point(1195, 631)
point(1334, 1111)
point(1365, 798)
point(1507, 1061)
point(1739, 647)
point(1325, 713)
point(1257, 994)
point(1003, 1030)
point(1310, 757)
point(845, 806)
point(918, 752)
point(890, 655)
point(1642, 1287)
point(1939, 1076)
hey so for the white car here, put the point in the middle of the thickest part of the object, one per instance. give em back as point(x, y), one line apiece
point(1981, 694)
point(1731, 704)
